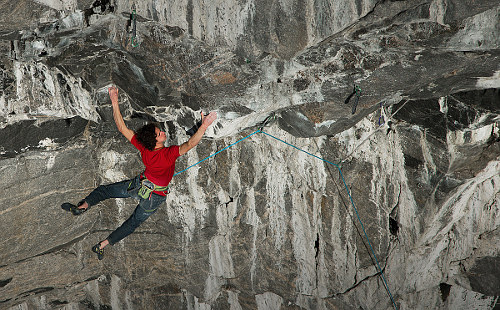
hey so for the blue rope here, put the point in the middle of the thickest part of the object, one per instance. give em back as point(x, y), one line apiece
point(217, 152)
point(355, 209)
point(343, 180)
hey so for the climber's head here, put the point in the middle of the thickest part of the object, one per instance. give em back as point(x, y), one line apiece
point(151, 136)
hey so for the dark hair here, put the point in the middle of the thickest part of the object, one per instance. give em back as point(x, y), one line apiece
point(146, 136)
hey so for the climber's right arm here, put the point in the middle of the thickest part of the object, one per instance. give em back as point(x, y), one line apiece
point(117, 115)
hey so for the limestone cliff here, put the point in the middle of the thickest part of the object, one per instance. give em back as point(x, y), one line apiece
point(261, 225)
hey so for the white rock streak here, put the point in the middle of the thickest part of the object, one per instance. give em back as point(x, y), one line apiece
point(467, 204)
point(234, 304)
point(268, 301)
point(479, 32)
point(253, 219)
point(39, 92)
point(109, 160)
point(276, 188)
point(489, 82)
point(194, 205)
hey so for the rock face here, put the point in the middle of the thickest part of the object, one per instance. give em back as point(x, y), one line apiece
point(261, 225)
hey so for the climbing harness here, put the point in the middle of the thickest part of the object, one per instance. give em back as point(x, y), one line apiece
point(269, 119)
point(147, 187)
point(356, 91)
point(133, 18)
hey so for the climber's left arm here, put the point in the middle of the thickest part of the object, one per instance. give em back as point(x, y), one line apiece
point(196, 138)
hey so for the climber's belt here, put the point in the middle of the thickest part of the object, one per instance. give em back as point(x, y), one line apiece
point(148, 187)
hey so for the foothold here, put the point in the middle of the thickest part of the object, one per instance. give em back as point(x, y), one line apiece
point(393, 226)
point(301, 84)
point(5, 282)
point(389, 127)
point(316, 245)
point(445, 291)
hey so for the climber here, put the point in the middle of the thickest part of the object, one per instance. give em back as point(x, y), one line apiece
point(150, 187)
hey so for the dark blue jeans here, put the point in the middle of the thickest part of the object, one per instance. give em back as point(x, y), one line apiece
point(125, 189)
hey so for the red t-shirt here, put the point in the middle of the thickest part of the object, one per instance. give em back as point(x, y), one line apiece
point(160, 164)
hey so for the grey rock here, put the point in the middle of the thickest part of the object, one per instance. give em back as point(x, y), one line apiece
point(261, 225)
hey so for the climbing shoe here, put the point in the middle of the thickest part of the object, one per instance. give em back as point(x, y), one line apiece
point(72, 208)
point(97, 249)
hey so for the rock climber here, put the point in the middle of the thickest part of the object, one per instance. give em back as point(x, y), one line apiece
point(150, 187)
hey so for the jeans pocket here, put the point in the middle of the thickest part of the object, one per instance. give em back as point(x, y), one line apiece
point(152, 204)
point(133, 187)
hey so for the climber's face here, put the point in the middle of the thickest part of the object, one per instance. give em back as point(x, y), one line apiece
point(161, 136)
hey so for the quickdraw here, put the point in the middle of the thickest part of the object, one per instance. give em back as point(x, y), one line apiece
point(272, 117)
point(133, 17)
point(356, 91)
point(381, 118)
